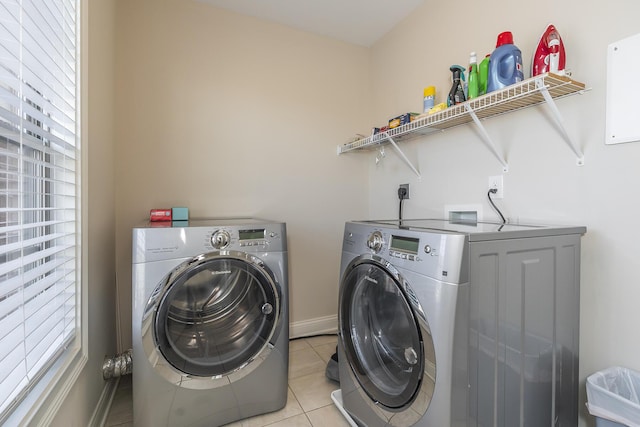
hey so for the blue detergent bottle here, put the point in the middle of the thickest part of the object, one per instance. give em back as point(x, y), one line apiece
point(505, 64)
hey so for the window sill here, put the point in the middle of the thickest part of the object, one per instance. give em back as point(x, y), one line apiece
point(40, 406)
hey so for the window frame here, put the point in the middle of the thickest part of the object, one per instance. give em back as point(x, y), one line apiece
point(42, 401)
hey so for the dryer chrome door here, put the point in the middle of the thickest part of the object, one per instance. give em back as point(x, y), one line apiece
point(387, 340)
point(212, 319)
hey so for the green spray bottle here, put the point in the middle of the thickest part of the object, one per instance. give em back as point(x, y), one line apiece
point(483, 75)
point(472, 91)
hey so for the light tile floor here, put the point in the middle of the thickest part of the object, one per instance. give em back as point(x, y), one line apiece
point(309, 401)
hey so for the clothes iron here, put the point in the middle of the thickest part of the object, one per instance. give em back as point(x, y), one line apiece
point(549, 55)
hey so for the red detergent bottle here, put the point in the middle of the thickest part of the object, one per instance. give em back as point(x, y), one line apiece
point(505, 63)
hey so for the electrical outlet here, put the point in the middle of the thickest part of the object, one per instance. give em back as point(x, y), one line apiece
point(406, 187)
point(495, 182)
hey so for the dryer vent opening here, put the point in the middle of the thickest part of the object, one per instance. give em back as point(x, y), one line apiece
point(118, 365)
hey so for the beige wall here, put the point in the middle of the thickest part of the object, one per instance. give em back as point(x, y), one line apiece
point(232, 116)
point(543, 183)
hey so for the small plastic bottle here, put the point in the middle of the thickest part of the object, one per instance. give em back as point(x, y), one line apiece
point(429, 98)
point(473, 77)
point(483, 75)
point(456, 94)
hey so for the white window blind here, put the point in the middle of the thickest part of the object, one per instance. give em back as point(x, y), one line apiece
point(39, 251)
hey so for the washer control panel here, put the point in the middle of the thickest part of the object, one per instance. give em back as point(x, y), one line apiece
point(404, 247)
point(402, 255)
point(437, 254)
point(398, 246)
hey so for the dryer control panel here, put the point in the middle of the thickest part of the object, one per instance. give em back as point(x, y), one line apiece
point(255, 237)
point(243, 238)
point(153, 243)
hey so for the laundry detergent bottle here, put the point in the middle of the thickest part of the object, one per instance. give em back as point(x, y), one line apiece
point(505, 63)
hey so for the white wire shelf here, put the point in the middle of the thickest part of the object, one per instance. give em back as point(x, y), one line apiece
point(529, 92)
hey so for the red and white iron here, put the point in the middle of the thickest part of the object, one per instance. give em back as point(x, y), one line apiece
point(549, 56)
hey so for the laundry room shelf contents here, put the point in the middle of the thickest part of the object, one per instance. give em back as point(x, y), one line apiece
point(533, 91)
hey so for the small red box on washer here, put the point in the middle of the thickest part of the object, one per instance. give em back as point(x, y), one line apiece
point(160, 215)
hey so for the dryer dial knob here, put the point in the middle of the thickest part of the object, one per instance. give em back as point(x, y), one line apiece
point(375, 241)
point(220, 239)
point(427, 249)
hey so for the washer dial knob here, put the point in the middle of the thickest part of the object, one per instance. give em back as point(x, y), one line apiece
point(375, 241)
point(220, 239)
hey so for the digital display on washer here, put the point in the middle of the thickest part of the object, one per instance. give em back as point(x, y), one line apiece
point(257, 233)
point(405, 244)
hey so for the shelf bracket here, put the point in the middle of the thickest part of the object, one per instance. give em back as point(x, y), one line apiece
point(404, 158)
point(556, 112)
point(486, 138)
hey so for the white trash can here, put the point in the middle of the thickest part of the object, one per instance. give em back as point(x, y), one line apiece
point(613, 397)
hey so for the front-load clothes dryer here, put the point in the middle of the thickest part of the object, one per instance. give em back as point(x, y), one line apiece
point(445, 324)
point(210, 321)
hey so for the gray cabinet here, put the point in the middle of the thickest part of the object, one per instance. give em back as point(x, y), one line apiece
point(524, 319)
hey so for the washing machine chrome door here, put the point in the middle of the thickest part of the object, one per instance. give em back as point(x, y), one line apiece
point(386, 338)
point(212, 320)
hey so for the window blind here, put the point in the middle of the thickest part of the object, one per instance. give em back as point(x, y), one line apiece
point(39, 217)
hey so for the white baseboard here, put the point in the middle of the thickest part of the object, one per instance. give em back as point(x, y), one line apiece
point(317, 326)
point(100, 414)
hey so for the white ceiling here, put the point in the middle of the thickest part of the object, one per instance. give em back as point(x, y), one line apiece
point(360, 22)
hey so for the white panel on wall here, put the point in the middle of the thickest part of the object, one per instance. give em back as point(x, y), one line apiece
point(623, 108)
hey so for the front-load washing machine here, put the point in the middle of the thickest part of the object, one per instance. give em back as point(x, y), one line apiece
point(210, 321)
point(402, 321)
point(445, 324)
